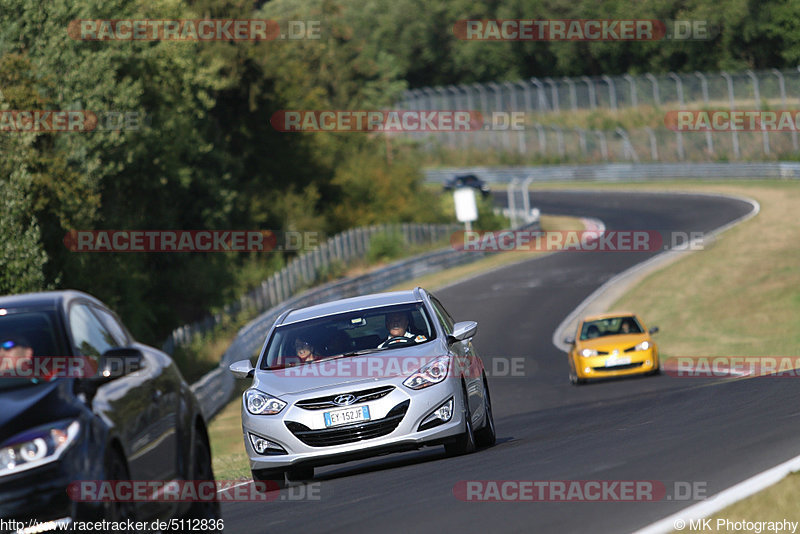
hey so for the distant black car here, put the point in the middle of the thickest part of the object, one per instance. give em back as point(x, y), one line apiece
point(468, 180)
point(137, 421)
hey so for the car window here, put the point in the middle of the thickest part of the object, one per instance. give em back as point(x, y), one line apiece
point(610, 327)
point(345, 332)
point(89, 335)
point(113, 325)
point(444, 317)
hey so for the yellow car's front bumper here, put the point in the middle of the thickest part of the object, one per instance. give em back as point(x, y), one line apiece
point(628, 363)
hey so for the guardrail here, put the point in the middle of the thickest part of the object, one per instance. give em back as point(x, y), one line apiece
point(214, 390)
point(623, 172)
point(307, 269)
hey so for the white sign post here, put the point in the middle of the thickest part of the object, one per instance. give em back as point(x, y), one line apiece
point(466, 207)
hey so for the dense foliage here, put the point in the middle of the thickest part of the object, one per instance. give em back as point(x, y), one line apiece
point(206, 156)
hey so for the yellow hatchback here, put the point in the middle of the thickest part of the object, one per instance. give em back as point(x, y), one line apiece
point(610, 345)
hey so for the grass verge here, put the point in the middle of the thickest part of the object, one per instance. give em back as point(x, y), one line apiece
point(740, 296)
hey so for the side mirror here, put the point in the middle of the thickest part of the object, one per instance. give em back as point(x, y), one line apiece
point(654, 330)
point(569, 340)
point(463, 330)
point(115, 363)
point(242, 369)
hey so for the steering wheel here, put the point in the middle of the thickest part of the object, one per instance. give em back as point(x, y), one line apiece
point(398, 339)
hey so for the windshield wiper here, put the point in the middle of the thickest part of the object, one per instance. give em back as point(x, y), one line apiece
point(349, 354)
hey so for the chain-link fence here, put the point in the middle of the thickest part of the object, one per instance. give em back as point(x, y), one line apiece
point(750, 90)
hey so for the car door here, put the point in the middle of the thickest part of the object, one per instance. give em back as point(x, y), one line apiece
point(165, 395)
point(467, 361)
point(125, 403)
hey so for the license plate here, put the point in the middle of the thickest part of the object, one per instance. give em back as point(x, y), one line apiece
point(613, 362)
point(347, 416)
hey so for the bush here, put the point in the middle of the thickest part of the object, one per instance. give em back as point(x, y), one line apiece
point(386, 246)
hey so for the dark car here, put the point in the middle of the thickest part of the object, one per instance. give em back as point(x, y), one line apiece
point(468, 180)
point(131, 417)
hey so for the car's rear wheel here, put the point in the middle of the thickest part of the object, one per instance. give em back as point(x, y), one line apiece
point(486, 436)
point(465, 442)
point(203, 471)
point(300, 473)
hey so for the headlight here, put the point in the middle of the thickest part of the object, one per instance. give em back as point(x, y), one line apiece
point(432, 373)
point(644, 345)
point(588, 353)
point(37, 447)
point(259, 403)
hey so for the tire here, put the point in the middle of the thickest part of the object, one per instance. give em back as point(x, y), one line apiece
point(202, 470)
point(115, 468)
point(575, 381)
point(300, 473)
point(465, 442)
point(275, 480)
point(486, 436)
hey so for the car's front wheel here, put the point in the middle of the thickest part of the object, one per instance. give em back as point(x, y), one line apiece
point(465, 442)
point(203, 471)
point(486, 436)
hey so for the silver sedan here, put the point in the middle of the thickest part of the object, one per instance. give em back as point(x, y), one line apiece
point(361, 377)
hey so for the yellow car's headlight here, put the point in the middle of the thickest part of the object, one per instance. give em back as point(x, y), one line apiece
point(588, 353)
point(644, 345)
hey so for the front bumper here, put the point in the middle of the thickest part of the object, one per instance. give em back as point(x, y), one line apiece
point(642, 361)
point(393, 426)
point(35, 497)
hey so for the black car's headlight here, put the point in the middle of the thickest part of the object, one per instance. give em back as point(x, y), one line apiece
point(38, 446)
point(430, 374)
point(259, 403)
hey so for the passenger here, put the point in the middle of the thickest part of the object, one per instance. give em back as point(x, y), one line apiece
point(592, 332)
point(304, 350)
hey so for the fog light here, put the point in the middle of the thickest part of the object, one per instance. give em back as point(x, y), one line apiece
point(587, 370)
point(264, 446)
point(647, 362)
point(439, 416)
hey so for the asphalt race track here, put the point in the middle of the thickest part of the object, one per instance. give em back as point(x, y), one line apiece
point(668, 429)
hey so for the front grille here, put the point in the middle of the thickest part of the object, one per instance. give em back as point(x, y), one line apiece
point(341, 435)
point(619, 367)
point(321, 403)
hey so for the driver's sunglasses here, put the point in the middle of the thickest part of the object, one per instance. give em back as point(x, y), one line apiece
point(8, 345)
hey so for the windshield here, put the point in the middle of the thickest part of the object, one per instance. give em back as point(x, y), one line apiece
point(611, 326)
point(376, 329)
point(25, 336)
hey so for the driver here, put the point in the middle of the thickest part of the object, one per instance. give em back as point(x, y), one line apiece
point(397, 325)
point(15, 352)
